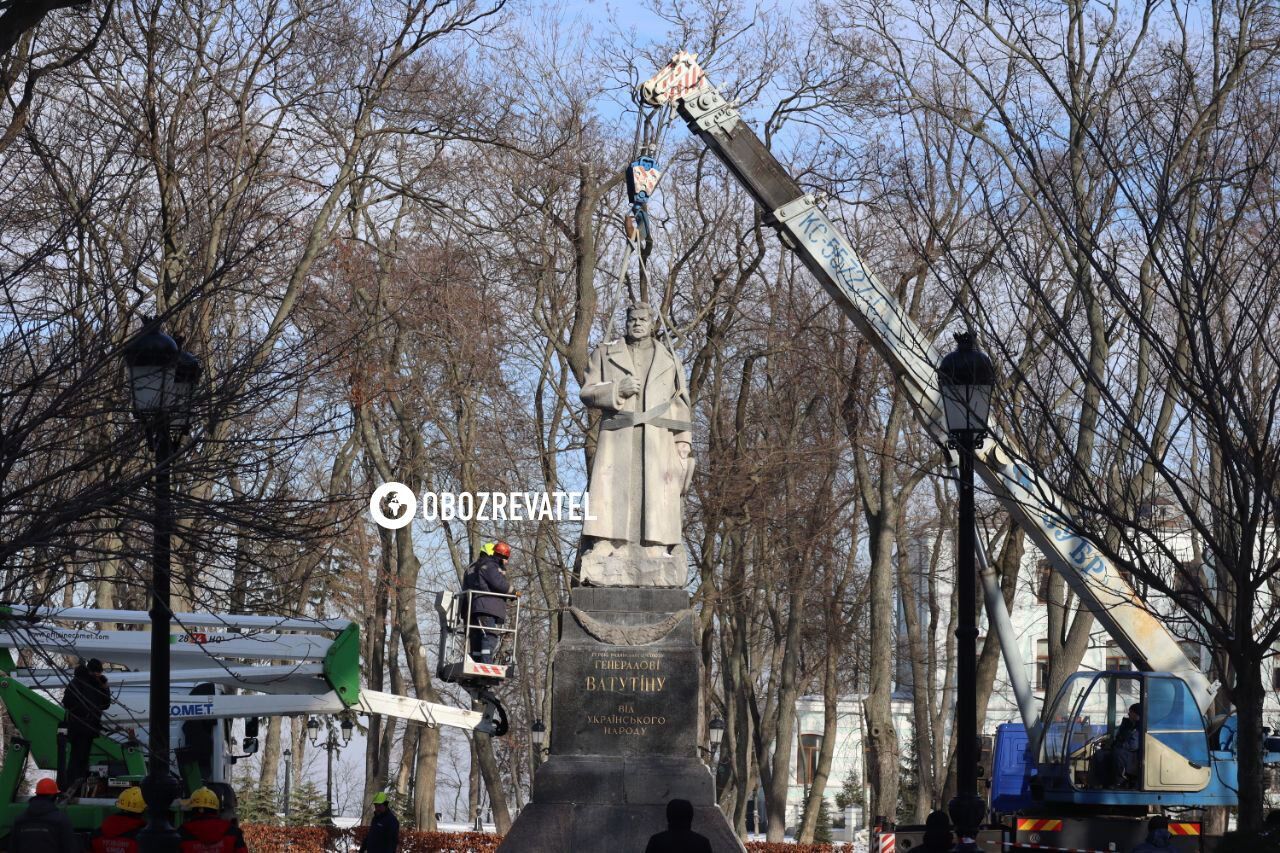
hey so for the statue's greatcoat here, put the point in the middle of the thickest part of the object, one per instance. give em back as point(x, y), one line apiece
point(611, 488)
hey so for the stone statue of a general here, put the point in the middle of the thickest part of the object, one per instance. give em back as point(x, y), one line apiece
point(643, 464)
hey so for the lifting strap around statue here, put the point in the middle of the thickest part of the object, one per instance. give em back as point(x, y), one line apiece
point(653, 417)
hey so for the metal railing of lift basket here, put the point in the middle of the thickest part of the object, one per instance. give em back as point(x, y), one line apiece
point(511, 626)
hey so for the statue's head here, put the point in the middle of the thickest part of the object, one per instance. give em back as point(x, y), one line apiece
point(639, 321)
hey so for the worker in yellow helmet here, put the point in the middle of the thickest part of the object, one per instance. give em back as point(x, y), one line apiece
point(384, 830)
point(119, 831)
point(204, 831)
point(486, 611)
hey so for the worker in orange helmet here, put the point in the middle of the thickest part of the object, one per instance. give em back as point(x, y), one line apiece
point(488, 574)
point(42, 828)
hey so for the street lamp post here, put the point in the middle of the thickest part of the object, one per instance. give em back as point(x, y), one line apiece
point(162, 381)
point(288, 753)
point(966, 378)
point(330, 746)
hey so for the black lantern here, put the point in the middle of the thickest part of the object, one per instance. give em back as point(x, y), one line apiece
point(347, 728)
point(313, 730)
point(716, 731)
point(538, 732)
point(186, 377)
point(151, 360)
point(966, 378)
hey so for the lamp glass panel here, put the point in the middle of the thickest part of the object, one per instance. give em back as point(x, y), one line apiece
point(979, 405)
point(953, 404)
point(151, 386)
point(966, 407)
point(181, 402)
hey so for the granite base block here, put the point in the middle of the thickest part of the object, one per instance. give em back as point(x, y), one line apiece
point(636, 780)
point(600, 828)
point(625, 729)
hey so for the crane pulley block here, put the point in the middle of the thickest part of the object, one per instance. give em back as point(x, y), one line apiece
point(642, 179)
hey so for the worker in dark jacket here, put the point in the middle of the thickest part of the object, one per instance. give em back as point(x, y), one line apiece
point(1158, 836)
point(1125, 747)
point(937, 834)
point(83, 702)
point(42, 828)
point(384, 830)
point(679, 836)
point(487, 574)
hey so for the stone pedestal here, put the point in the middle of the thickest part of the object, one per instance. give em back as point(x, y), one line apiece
point(626, 717)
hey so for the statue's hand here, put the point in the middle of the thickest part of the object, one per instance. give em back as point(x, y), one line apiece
point(628, 386)
point(690, 461)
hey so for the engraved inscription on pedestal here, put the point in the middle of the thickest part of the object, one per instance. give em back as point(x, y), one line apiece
point(626, 701)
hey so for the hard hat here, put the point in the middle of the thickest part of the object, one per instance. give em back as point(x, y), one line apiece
point(380, 798)
point(131, 801)
point(502, 549)
point(47, 788)
point(487, 549)
point(203, 798)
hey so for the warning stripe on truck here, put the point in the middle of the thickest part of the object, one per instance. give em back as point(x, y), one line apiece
point(888, 843)
point(1184, 829)
point(1039, 824)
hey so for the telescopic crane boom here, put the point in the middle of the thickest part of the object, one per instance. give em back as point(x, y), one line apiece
point(1028, 497)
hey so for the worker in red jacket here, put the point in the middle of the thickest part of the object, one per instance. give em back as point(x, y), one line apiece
point(204, 831)
point(119, 832)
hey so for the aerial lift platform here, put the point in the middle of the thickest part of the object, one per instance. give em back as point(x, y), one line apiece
point(278, 666)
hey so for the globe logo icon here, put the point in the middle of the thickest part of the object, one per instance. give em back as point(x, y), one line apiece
point(400, 501)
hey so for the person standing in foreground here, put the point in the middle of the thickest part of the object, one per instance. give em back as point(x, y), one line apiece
point(384, 830)
point(42, 828)
point(679, 836)
point(937, 833)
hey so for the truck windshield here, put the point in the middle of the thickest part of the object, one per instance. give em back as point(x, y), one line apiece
point(1061, 728)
